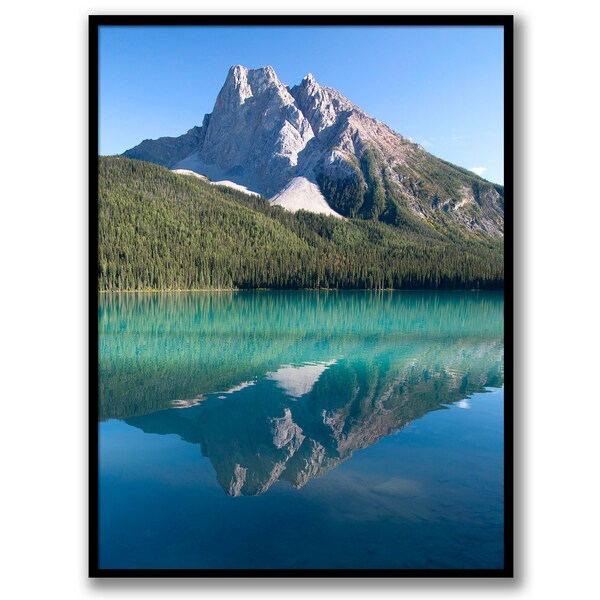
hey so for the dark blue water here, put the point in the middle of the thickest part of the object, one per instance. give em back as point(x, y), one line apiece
point(301, 430)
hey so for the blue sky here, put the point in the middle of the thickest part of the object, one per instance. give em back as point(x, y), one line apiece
point(439, 86)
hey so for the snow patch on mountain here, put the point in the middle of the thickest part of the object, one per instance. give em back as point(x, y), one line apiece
point(188, 172)
point(302, 194)
point(225, 182)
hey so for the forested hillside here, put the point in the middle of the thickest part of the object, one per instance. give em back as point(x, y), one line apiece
point(163, 231)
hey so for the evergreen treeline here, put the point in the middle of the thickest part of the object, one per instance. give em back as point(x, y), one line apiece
point(176, 346)
point(162, 231)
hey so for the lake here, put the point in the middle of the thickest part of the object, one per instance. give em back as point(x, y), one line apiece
point(295, 430)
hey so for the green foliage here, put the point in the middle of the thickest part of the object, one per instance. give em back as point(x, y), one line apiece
point(433, 180)
point(345, 196)
point(420, 194)
point(161, 231)
point(375, 201)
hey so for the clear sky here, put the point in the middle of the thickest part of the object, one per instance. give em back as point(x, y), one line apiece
point(440, 86)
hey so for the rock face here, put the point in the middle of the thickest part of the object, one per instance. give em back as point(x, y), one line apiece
point(256, 131)
point(167, 150)
point(308, 147)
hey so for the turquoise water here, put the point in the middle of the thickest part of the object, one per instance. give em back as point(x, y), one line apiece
point(301, 430)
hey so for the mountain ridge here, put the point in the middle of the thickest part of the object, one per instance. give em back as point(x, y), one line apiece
point(264, 135)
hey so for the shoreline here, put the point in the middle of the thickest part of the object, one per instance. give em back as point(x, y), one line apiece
point(230, 290)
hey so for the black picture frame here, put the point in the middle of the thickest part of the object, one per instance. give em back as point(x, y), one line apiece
point(504, 21)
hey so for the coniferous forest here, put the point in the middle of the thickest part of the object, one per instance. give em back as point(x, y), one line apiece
point(159, 230)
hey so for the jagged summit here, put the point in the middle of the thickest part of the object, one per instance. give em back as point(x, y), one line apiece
point(266, 70)
point(307, 146)
point(255, 132)
point(258, 79)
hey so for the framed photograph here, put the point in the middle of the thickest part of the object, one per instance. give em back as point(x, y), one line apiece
point(301, 289)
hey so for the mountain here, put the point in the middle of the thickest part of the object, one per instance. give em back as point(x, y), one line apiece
point(308, 147)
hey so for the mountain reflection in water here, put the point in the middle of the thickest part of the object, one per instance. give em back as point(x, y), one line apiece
point(258, 397)
point(285, 386)
point(361, 366)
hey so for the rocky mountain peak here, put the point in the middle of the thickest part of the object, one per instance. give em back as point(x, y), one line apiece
point(256, 131)
point(309, 81)
point(315, 103)
point(263, 79)
point(309, 147)
point(237, 71)
point(236, 89)
point(242, 83)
